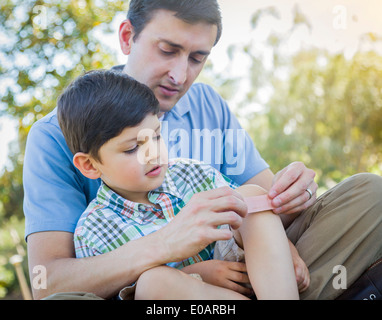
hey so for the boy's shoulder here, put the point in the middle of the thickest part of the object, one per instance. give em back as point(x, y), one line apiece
point(190, 175)
point(94, 212)
point(185, 165)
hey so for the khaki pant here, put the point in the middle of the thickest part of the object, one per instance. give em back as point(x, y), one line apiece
point(342, 228)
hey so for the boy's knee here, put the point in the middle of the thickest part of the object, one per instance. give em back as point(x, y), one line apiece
point(249, 190)
point(149, 283)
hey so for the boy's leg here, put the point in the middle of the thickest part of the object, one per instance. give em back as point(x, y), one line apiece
point(343, 228)
point(165, 283)
point(267, 253)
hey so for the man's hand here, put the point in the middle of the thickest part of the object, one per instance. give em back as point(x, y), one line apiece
point(289, 189)
point(196, 225)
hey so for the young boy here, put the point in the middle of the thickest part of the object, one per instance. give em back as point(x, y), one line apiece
point(110, 123)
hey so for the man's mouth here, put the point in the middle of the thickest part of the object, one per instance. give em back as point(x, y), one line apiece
point(168, 91)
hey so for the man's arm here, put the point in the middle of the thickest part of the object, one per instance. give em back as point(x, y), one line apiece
point(193, 228)
point(99, 275)
point(262, 179)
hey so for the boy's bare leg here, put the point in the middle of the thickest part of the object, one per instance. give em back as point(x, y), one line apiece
point(267, 253)
point(165, 283)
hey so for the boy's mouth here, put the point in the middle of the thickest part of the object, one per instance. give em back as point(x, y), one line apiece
point(154, 172)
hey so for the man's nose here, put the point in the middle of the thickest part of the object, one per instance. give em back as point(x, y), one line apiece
point(178, 71)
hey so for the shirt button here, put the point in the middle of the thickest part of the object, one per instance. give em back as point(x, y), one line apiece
point(141, 207)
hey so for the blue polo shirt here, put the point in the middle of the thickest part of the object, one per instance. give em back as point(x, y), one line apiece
point(200, 126)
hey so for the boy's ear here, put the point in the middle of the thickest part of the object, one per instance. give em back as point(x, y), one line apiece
point(84, 163)
point(126, 34)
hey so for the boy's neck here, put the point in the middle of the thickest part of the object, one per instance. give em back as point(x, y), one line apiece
point(137, 197)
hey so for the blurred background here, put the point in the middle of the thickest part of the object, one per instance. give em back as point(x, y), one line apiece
point(304, 78)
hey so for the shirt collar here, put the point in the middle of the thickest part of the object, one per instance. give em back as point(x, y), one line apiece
point(108, 198)
point(168, 186)
point(133, 210)
point(181, 108)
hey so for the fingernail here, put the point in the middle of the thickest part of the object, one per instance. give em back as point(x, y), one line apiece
point(277, 210)
point(277, 202)
point(272, 194)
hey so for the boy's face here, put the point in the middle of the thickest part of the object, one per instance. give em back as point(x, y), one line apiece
point(168, 55)
point(135, 161)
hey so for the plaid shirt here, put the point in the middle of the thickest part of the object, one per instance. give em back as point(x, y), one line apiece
point(111, 221)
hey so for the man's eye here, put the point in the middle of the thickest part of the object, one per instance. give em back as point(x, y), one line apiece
point(195, 60)
point(167, 53)
point(198, 58)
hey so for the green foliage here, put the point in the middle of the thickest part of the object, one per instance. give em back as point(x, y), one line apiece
point(11, 243)
point(48, 44)
point(43, 46)
point(323, 109)
point(320, 108)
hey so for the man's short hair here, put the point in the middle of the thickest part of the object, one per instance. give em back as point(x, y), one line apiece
point(191, 11)
point(98, 106)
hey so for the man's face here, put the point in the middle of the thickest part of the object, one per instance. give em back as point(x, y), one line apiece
point(169, 54)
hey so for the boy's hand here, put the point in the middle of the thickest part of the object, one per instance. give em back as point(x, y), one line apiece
point(226, 274)
point(300, 269)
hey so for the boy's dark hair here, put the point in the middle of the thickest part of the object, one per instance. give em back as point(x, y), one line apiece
point(191, 11)
point(98, 106)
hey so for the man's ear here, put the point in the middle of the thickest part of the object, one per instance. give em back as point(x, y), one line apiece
point(126, 34)
point(86, 164)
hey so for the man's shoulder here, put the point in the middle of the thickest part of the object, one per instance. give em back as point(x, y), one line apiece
point(47, 124)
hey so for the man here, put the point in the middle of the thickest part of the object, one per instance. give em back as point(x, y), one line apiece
point(167, 44)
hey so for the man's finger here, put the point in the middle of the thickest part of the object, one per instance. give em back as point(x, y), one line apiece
point(230, 203)
point(287, 177)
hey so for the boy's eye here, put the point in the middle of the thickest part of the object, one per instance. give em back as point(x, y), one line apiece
point(131, 151)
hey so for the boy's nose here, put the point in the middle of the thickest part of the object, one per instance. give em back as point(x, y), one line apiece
point(152, 154)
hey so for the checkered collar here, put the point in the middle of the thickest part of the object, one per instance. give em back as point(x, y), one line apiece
point(133, 210)
point(168, 186)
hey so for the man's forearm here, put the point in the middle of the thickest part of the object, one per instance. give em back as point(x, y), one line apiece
point(103, 275)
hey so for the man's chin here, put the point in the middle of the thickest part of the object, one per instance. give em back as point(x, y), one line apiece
point(166, 106)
